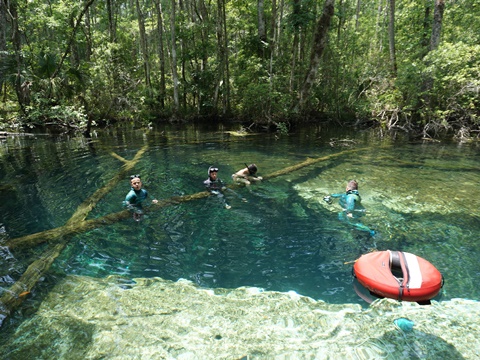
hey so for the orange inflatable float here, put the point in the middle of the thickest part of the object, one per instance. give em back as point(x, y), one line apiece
point(398, 275)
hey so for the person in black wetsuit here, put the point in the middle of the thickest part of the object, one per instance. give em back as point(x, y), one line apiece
point(350, 201)
point(215, 185)
point(136, 196)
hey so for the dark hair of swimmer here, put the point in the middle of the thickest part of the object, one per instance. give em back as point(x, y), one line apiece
point(252, 169)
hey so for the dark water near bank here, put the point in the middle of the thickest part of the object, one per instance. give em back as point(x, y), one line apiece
point(421, 197)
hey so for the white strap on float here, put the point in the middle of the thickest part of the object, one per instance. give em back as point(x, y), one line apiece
point(414, 271)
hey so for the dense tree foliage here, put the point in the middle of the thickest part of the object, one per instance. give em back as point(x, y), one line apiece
point(409, 64)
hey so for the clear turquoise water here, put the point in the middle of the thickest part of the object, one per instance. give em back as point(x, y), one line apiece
point(420, 197)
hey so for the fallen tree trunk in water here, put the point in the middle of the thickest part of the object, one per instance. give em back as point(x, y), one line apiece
point(58, 238)
point(85, 225)
point(13, 296)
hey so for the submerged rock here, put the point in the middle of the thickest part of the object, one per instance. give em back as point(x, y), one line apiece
point(86, 318)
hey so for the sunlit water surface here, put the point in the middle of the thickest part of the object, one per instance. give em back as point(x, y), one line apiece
point(421, 197)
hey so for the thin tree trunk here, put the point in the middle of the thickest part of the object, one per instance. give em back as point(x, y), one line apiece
point(424, 42)
point(161, 53)
point(176, 104)
point(20, 89)
point(391, 38)
point(262, 33)
point(3, 31)
point(295, 45)
point(437, 24)
point(341, 19)
point(88, 36)
point(144, 48)
point(111, 24)
point(226, 101)
point(357, 15)
point(319, 43)
point(223, 67)
point(434, 41)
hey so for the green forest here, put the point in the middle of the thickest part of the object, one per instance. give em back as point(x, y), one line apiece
point(395, 64)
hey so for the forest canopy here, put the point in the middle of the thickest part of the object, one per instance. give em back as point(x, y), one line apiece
point(412, 65)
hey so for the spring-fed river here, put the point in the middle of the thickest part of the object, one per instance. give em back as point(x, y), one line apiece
point(278, 235)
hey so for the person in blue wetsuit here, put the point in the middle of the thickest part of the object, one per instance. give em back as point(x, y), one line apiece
point(215, 185)
point(350, 201)
point(136, 196)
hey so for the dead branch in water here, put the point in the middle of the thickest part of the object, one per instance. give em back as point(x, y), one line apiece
point(59, 237)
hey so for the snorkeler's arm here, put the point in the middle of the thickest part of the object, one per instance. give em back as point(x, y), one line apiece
point(154, 200)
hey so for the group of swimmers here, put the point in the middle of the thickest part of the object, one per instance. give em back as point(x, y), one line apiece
point(350, 201)
point(137, 194)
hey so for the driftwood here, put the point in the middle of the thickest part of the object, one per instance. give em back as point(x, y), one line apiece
point(58, 238)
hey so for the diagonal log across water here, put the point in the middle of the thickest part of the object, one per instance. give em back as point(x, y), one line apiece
point(77, 223)
point(12, 297)
point(58, 238)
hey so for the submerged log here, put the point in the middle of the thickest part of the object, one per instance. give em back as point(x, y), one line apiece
point(77, 223)
point(86, 225)
point(12, 297)
point(58, 238)
point(15, 295)
point(84, 209)
point(308, 162)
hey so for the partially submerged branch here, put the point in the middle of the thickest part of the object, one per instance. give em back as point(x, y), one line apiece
point(58, 238)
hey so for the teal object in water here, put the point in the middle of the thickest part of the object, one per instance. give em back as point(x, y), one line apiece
point(404, 324)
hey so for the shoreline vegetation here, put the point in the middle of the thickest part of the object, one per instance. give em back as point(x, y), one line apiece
point(397, 67)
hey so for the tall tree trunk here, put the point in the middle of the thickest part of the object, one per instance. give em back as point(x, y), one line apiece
point(144, 47)
point(434, 41)
point(174, 58)
point(273, 42)
point(3, 42)
point(295, 45)
point(424, 41)
point(341, 19)
point(223, 67)
point(88, 36)
point(227, 64)
point(21, 88)
point(357, 14)
point(161, 53)
point(111, 24)
point(278, 25)
point(391, 38)
point(376, 46)
point(293, 66)
point(183, 52)
point(437, 24)
point(319, 43)
point(203, 17)
point(262, 33)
